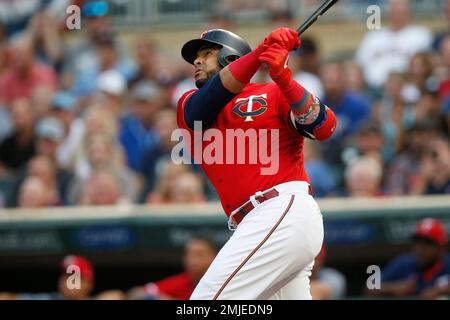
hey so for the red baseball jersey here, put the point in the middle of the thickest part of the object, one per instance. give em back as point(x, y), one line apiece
point(261, 115)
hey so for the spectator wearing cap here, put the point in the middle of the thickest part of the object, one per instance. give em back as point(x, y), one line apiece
point(64, 109)
point(49, 135)
point(24, 73)
point(137, 133)
point(111, 86)
point(75, 282)
point(425, 272)
point(104, 57)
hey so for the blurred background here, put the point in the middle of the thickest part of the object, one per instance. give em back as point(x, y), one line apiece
point(86, 117)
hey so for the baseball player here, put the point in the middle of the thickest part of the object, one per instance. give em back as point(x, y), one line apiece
point(278, 224)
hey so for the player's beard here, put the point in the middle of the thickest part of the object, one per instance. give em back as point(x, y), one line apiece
point(201, 82)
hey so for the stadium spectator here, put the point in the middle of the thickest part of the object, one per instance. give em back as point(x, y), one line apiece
point(403, 173)
point(49, 135)
point(111, 87)
point(423, 273)
point(309, 81)
point(40, 99)
point(354, 78)
point(146, 60)
point(326, 283)
point(25, 72)
point(393, 115)
point(351, 109)
point(100, 189)
point(368, 142)
point(444, 68)
point(390, 49)
point(35, 193)
point(420, 77)
point(320, 174)
point(137, 133)
point(56, 180)
point(19, 147)
point(176, 184)
point(363, 177)
point(63, 108)
point(70, 286)
point(440, 35)
point(97, 120)
point(44, 32)
point(165, 124)
point(101, 154)
point(310, 55)
point(434, 174)
point(199, 252)
point(105, 57)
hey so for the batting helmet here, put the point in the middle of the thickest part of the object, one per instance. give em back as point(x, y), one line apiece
point(231, 46)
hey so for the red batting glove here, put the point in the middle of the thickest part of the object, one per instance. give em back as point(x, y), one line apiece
point(276, 57)
point(285, 37)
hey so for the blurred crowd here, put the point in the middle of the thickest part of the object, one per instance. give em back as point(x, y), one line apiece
point(89, 122)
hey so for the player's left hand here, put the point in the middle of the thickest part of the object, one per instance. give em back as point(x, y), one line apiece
point(276, 57)
point(285, 37)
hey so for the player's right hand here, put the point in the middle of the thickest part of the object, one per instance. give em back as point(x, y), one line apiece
point(285, 37)
point(276, 58)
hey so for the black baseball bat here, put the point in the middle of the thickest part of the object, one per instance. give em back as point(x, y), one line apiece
point(315, 15)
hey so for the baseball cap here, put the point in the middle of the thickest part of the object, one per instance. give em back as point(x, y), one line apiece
point(111, 82)
point(50, 128)
point(63, 100)
point(95, 8)
point(145, 91)
point(86, 268)
point(431, 229)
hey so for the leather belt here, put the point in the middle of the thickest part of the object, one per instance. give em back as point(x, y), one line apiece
point(260, 198)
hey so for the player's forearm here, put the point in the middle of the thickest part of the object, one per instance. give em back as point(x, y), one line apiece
point(239, 73)
point(305, 106)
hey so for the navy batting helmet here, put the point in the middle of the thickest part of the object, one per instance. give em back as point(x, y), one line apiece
point(231, 46)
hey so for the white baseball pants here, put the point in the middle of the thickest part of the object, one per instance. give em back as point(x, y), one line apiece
point(271, 253)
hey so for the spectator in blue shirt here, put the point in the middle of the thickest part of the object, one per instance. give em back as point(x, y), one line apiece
point(352, 109)
point(423, 273)
point(137, 133)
